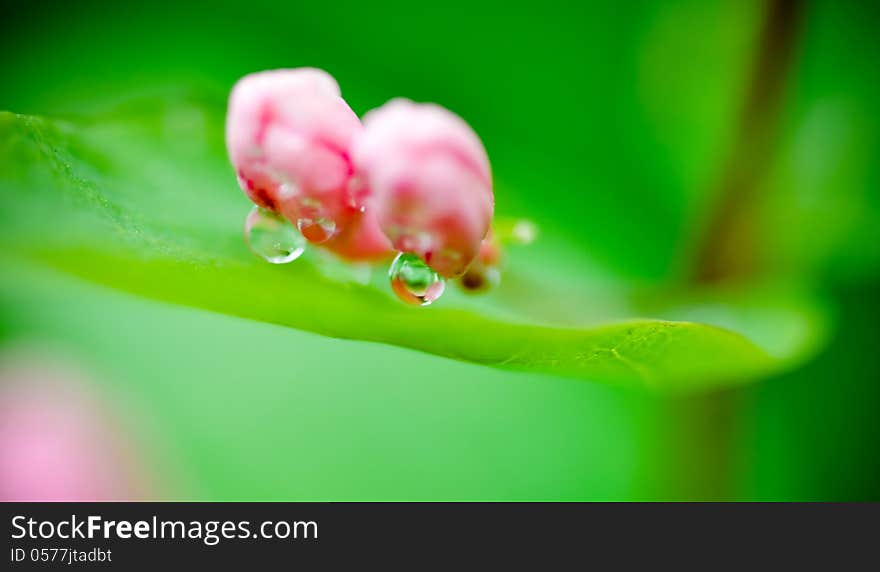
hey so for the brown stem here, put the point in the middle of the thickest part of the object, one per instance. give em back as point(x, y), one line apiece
point(729, 248)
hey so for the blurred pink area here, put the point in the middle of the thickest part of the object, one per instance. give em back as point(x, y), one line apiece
point(59, 440)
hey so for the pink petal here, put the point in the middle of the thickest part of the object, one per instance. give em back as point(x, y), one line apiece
point(431, 181)
point(288, 133)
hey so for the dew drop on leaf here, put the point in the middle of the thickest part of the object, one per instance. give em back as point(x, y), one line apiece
point(413, 281)
point(272, 237)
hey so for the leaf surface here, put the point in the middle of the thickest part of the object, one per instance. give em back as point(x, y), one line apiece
point(142, 199)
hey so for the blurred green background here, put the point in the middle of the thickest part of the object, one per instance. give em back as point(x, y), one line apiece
point(627, 132)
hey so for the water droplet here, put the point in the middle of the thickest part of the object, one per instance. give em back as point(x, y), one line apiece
point(317, 230)
point(413, 281)
point(524, 232)
point(287, 191)
point(357, 193)
point(272, 237)
point(480, 278)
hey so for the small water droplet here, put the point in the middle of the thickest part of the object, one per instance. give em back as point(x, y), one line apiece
point(480, 278)
point(271, 237)
point(317, 230)
point(524, 232)
point(357, 193)
point(287, 191)
point(414, 281)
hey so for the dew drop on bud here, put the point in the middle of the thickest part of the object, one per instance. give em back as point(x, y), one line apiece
point(271, 237)
point(479, 278)
point(356, 194)
point(413, 281)
point(317, 230)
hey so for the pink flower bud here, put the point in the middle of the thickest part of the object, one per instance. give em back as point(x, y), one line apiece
point(431, 183)
point(289, 133)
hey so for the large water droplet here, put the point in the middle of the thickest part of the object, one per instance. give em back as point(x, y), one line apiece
point(317, 230)
point(272, 237)
point(414, 281)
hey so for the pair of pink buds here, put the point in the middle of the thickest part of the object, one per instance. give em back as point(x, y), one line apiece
point(411, 178)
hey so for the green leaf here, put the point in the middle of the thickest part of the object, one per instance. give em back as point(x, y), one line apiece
point(141, 199)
